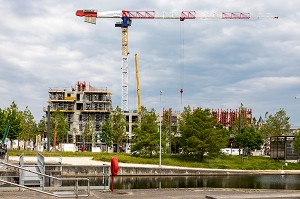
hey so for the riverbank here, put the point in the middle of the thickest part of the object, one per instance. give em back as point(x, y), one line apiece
point(201, 193)
point(219, 162)
point(85, 166)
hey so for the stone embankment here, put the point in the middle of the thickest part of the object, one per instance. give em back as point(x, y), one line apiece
point(85, 166)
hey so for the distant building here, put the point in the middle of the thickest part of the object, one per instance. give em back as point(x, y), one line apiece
point(260, 123)
point(77, 104)
point(131, 119)
point(227, 117)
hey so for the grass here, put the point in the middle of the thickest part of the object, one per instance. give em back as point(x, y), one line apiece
point(221, 162)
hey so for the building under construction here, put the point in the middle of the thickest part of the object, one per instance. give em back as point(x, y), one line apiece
point(79, 103)
point(227, 117)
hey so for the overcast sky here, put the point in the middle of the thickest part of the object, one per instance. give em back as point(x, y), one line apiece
point(218, 63)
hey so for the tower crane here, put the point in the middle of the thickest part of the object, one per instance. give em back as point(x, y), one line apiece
point(126, 17)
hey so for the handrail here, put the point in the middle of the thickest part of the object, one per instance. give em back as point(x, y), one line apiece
point(45, 175)
point(29, 188)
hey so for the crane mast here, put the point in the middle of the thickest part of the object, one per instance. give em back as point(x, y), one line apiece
point(124, 27)
point(126, 16)
point(138, 89)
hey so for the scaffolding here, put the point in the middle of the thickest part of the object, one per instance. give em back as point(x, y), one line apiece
point(228, 117)
point(79, 103)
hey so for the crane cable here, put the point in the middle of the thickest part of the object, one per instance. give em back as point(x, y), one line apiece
point(181, 59)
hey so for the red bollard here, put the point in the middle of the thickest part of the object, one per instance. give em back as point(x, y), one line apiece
point(114, 167)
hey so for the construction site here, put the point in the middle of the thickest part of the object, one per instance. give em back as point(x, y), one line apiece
point(84, 101)
point(227, 117)
point(79, 103)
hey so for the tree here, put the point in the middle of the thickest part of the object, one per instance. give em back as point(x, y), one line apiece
point(118, 124)
point(106, 134)
point(241, 122)
point(199, 133)
point(2, 122)
point(59, 127)
point(169, 132)
point(28, 126)
point(42, 125)
point(249, 138)
point(165, 128)
point(276, 125)
point(13, 118)
point(146, 140)
point(296, 142)
point(88, 131)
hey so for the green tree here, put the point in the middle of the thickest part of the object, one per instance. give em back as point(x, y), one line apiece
point(249, 138)
point(2, 122)
point(146, 139)
point(88, 131)
point(241, 121)
point(59, 127)
point(199, 133)
point(165, 128)
point(13, 118)
point(28, 126)
point(118, 123)
point(276, 125)
point(296, 142)
point(42, 125)
point(106, 134)
point(170, 133)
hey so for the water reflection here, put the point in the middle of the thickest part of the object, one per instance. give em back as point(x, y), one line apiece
point(291, 182)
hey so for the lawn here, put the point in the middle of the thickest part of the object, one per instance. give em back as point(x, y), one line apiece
point(221, 162)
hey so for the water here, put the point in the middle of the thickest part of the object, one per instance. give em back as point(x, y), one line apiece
point(288, 182)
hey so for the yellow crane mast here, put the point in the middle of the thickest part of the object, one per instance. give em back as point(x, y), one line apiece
point(138, 83)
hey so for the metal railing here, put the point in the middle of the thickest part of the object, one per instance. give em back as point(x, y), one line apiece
point(40, 167)
point(76, 189)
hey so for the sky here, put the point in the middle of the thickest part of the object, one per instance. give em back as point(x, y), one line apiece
point(219, 64)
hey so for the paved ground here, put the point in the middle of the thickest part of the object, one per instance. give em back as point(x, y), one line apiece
point(76, 161)
point(170, 194)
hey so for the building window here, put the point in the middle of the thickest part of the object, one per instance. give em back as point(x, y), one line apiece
point(79, 106)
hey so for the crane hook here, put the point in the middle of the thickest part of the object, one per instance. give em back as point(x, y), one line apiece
point(181, 91)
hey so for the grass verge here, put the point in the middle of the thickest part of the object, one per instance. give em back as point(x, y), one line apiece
point(221, 162)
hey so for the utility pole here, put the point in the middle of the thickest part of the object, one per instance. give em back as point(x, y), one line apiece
point(160, 115)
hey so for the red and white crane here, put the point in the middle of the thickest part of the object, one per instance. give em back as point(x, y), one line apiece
point(126, 16)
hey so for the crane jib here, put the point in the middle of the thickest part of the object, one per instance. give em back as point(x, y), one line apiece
point(126, 16)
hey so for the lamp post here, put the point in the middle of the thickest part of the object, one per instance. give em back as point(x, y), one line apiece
point(48, 128)
point(160, 128)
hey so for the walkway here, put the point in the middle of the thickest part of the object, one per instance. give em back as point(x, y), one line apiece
point(199, 193)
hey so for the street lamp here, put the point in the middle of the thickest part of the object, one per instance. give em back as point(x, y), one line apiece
point(160, 129)
point(48, 128)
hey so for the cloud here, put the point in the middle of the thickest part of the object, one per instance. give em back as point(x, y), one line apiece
point(218, 63)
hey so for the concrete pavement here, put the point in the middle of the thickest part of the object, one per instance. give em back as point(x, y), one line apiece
point(199, 193)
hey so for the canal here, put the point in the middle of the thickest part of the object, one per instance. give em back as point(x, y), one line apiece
point(288, 182)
